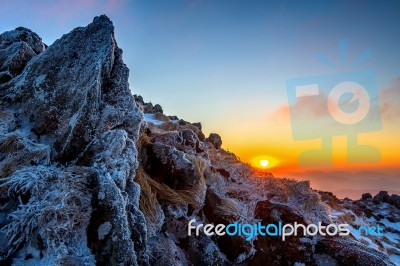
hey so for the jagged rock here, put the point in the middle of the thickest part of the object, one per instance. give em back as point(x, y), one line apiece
point(73, 105)
point(366, 196)
point(203, 252)
point(148, 108)
point(395, 199)
point(198, 125)
point(215, 140)
point(184, 140)
point(168, 165)
point(17, 48)
point(157, 109)
point(382, 196)
point(25, 35)
point(139, 99)
point(329, 198)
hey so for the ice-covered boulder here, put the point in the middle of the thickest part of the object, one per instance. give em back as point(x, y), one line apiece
point(17, 47)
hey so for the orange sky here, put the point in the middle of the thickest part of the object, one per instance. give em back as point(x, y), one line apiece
point(269, 136)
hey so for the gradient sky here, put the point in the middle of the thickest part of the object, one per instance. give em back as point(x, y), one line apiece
point(226, 63)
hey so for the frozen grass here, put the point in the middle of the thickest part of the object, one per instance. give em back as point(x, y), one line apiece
point(153, 192)
point(19, 152)
point(58, 209)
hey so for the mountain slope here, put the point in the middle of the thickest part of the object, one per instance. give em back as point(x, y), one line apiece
point(86, 180)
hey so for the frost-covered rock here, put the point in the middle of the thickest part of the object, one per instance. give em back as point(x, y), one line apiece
point(68, 109)
point(17, 48)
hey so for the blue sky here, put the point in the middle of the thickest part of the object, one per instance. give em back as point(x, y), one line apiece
point(225, 63)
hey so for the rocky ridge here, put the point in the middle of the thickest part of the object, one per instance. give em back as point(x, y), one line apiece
point(91, 174)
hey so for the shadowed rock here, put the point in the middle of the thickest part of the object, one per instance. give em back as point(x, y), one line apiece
point(74, 99)
point(215, 140)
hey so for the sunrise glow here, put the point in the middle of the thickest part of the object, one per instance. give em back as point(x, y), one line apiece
point(264, 163)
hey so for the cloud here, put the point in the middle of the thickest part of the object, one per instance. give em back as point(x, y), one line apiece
point(390, 102)
point(280, 114)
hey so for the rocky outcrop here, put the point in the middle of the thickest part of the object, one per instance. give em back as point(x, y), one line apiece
point(17, 48)
point(148, 108)
point(69, 116)
point(380, 210)
point(366, 196)
point(235, 193)
point(215, 140)
point(87, 179)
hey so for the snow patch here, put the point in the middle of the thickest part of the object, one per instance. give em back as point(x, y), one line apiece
point(103, 230)
point(149, 118)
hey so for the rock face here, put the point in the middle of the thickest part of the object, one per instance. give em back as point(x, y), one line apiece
point(87, 179)
point(69, 123)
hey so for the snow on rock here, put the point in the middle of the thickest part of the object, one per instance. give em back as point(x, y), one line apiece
point(67, 154)
point(380, 210)
point(150, 118)
point(103, 230)
point(17, 48)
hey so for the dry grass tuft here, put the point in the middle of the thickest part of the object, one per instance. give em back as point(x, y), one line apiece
point(148, 199)
point(153, 192)
point(143, 140)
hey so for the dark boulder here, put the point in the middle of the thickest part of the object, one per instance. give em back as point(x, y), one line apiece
point(215, 140)
point(157, 109)
point(231, 246)
point(272, 248)
point(170, 166)
point(382, 196)
point(395, 200)
point(366, 196)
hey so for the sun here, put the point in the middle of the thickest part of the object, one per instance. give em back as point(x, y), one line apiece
point(264, 163)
